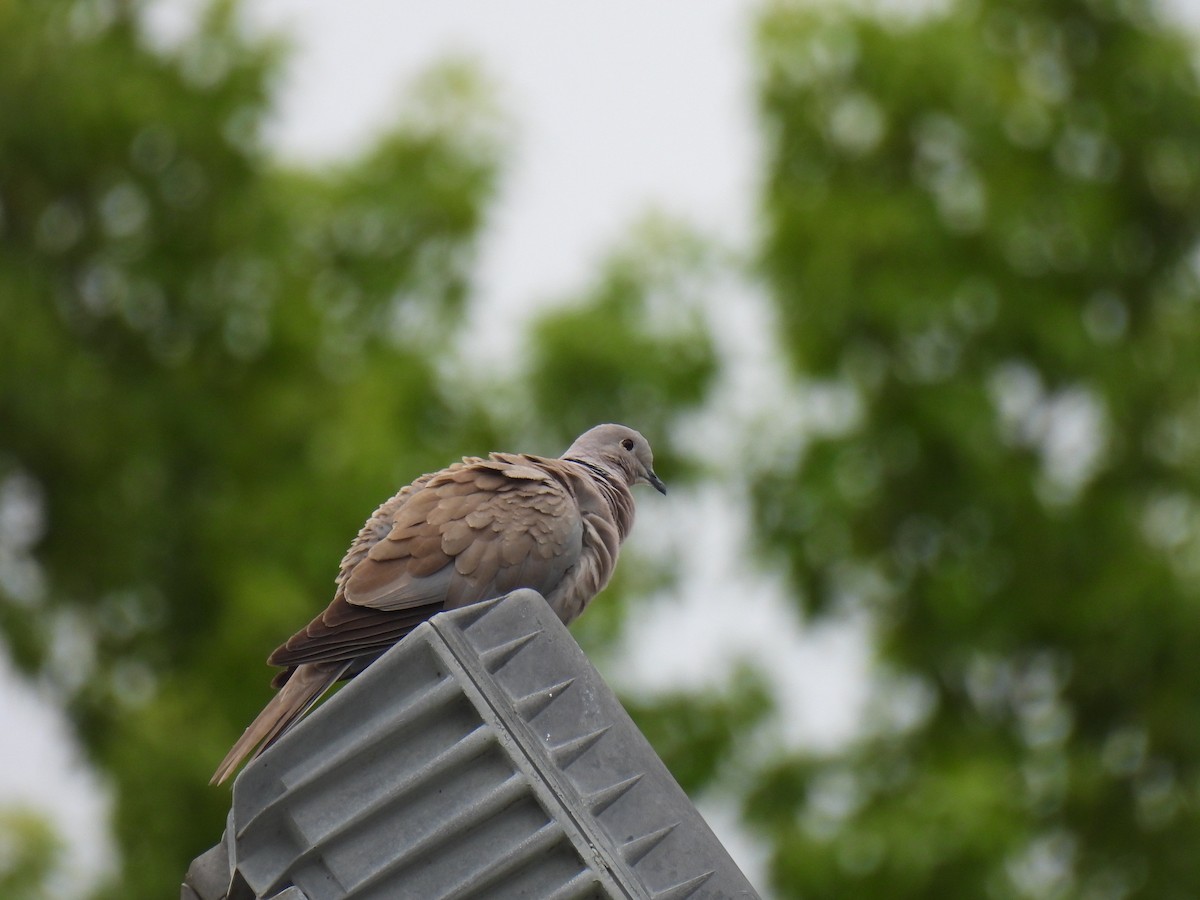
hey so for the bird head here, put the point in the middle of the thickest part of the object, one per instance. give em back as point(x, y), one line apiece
point(618, 449)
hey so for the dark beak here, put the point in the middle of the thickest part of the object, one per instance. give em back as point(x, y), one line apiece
point(656, 483)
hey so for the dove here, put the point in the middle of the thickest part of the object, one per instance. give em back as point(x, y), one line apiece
point(473, 531)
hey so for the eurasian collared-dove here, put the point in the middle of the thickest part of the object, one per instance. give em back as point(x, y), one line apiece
point(473, 531)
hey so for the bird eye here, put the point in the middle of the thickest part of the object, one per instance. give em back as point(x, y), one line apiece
point(627, 443)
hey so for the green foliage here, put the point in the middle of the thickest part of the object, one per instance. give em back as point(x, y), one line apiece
point(980, 225)
point(698, 734)
point(984, 223)
point(29, 852)
point(214, 369)
point(637, 336)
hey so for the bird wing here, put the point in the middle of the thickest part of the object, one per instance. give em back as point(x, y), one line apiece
point(475, 530)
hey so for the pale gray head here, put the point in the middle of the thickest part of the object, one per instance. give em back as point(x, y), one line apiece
point(620, 450)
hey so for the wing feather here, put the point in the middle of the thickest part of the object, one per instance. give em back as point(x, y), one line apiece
point(475, 530)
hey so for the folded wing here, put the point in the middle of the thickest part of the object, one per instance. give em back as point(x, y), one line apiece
point(475, 530)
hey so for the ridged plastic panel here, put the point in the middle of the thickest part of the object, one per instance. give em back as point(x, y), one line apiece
point(481, 757)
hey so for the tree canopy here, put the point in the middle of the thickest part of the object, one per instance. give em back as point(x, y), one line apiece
point(979, 224)
point(985, 224)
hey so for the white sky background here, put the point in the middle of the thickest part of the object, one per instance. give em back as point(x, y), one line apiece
point(618, 106)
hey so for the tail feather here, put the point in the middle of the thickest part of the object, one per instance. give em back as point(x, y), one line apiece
point(305, 687)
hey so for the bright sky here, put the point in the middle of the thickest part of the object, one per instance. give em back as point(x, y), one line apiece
point(618, 104)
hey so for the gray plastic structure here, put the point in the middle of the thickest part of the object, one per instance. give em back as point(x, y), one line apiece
point(481, 757)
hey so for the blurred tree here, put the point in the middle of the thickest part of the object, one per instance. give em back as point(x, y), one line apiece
point(211, 371)
point(984, 222)
point(28, 855)
point(980, 224)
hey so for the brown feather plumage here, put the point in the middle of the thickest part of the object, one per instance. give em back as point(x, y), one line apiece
point(474, 530)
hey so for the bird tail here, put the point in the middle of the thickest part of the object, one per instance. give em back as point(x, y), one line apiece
point(305, 687)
